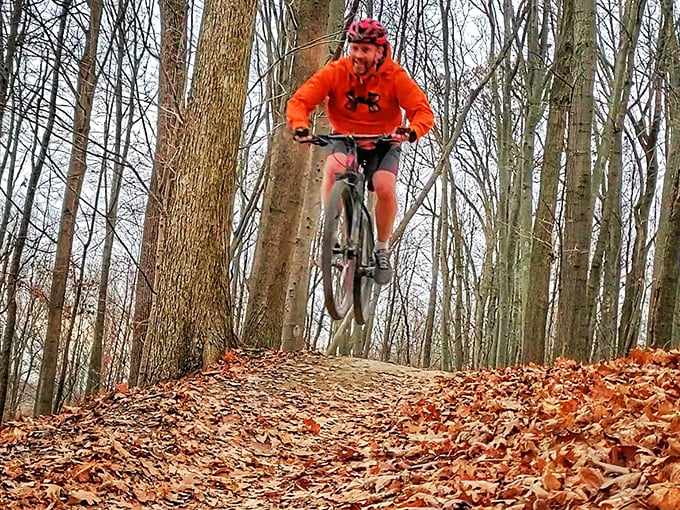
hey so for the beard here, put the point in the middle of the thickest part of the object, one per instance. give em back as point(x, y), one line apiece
point(362, 66)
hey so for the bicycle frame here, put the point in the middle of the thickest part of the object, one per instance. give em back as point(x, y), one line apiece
point(350, 277)
point(353, 175)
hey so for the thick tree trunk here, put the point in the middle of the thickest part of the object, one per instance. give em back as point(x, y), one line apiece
point(283, 196)
point(295, 309)
point(572, 314)
point(87, 82)
point(172, 82)
point(191, 320)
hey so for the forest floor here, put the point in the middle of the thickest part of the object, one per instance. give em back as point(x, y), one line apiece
point(263, 430)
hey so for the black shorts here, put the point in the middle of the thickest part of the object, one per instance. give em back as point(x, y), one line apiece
point(383, 156)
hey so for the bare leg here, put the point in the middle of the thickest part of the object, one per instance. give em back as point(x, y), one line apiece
point(384, 183)
point(335, 164)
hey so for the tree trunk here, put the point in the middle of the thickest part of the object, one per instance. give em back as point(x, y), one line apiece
point(460, 340)
point(432, 302)
point(172, 82)
point(9, 191)
point(87, 82)
point(444, 326)
point(663, 299)
point(572, 314)
point(533, 112)
point(120, 153)
point(20, 241)
point(542, 251)
point(191, 321)
point(283, 196)
point(631, 310)
point(506, 205)
point(295, 308)
point(607, 248)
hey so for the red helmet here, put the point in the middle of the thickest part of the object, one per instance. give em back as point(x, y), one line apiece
point(367, 31)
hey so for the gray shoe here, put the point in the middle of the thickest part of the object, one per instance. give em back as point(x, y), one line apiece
point(383, 270)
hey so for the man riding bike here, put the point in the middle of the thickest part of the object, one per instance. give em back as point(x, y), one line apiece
point(365, 93)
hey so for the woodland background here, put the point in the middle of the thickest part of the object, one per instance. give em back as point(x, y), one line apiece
point(143, 146)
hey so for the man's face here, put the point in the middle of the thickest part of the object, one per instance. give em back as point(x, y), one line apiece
point(364, 57)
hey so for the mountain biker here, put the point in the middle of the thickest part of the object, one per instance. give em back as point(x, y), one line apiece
point(365, 93)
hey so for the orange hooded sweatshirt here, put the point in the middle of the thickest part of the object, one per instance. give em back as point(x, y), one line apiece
point(362, 105)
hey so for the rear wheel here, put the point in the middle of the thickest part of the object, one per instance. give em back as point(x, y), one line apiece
point(363, 275)
point(338, 263)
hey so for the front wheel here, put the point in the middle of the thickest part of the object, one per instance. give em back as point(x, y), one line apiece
point(363, 275)
point(338, 262)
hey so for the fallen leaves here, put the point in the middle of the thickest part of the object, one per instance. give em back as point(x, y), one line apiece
point(82, 496)
point(311, 425)
point(274, 431)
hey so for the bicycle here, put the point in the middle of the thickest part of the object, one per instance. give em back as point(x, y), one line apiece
point(347, 263)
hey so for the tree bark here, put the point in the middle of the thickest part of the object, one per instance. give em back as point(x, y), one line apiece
point(607, 247)
point(191, 320)
point(283, 196)
point(542, 251)
point(295, 308)
point(572, 313)
point(172, 83)
point(533, 112)
point(664, 295)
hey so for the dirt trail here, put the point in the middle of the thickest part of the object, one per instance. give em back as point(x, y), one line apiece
point(270, 432)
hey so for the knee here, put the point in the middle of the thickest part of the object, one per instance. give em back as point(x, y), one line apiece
point(384, 187)
point(335, 163)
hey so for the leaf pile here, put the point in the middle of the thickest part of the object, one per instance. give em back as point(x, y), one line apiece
point(264, 430)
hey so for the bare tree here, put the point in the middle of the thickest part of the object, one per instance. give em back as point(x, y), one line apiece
point(667, 271)
point(7, 64)
point(20, 240)
point(172, 83)
point(121, 148)
point(87, 82)
point(572, 316)
point(283, 194)
point(191, 321)
point(542, 250)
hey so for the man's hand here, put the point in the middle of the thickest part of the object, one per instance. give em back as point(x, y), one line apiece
point(404, 134)
point(301, 135)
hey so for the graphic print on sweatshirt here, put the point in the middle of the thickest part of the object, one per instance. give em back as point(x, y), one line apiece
point(371, 101)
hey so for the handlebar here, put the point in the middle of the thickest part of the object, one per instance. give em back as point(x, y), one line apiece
point(323, 140)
